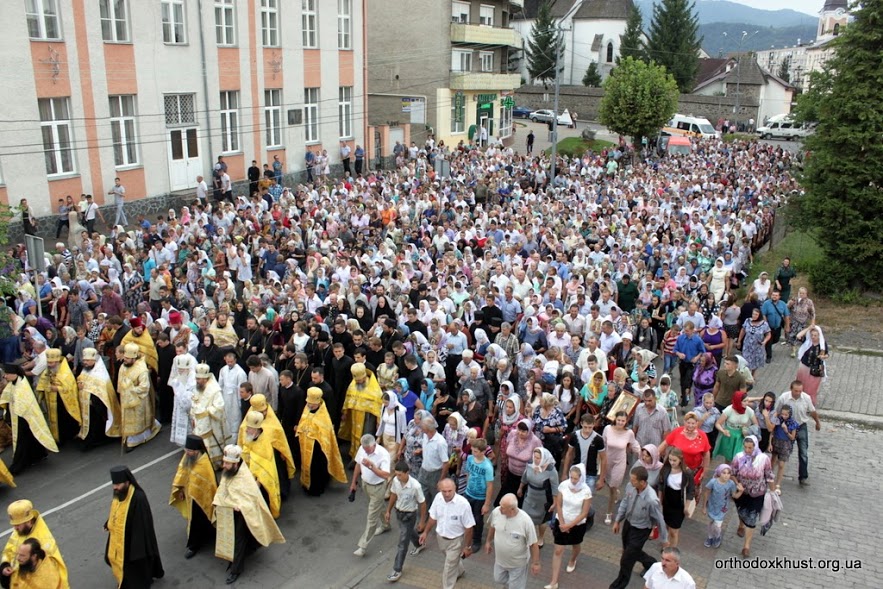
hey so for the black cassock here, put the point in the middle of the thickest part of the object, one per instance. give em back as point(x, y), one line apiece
point(142, 560)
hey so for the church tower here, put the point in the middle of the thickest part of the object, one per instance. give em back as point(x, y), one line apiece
point(832, 19)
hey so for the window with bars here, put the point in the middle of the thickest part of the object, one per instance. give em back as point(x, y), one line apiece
point(180, 109)
point(114, 21)
point(43, 22)
point(309, 18)
point(344, 24)
point(225, 23)
point(311, 115)
point(122, 129)
point(173, 29)
point(270, 23)
point(345, 111)
point(229, 121)
point(55, 124)
point(273, 117)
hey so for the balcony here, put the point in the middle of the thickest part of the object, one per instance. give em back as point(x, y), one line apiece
point(480, 35)
point(484, 81)
point(517, 3)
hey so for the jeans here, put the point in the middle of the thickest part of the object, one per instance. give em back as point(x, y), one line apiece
point(407, 535)
point(803, 452)
point(478, 530)
point(686, 371)
point(121, 214)
point(61, 223)
point(669, 362)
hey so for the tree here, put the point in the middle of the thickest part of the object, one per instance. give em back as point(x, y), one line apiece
point(785, 69)
point(674, 40)
point(639, 98)
point(631, 43)
point(592, 79)
point(843, 203)
point(545, 43)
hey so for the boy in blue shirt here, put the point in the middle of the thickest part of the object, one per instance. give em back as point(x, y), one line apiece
point(479, 487)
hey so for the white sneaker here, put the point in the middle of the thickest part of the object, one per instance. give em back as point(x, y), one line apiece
point(359, 552)
point(417, 550)
point(381, 531)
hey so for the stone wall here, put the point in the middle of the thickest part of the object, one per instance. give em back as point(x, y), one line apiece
point(586, 101)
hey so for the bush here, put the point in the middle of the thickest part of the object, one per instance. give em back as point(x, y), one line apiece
point(830, 280)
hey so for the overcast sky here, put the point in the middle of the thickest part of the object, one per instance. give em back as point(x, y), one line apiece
point(809, 6)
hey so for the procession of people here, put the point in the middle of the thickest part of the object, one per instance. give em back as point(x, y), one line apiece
point(431, 334)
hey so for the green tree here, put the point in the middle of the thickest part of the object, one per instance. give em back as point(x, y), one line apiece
point(631, 43)
point(545, 43)
point(843, 203)
point(785, 69)
point(639, 98)
point(592, 79)
point(674, 41)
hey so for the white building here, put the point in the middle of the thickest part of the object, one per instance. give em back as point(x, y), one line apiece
point(592, 35)
point(152, 91)
point(754, 85)
point(811, 56)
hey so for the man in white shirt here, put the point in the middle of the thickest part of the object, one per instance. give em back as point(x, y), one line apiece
point(668, 574)
point(451, 516)
point(514, 545)
point(372, 467)
point(609, 337)
point(201, 189)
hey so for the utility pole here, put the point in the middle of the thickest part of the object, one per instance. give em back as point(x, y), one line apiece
point(745, 35)
point(558, 30)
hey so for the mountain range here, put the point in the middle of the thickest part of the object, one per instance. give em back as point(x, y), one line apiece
point(777, 28)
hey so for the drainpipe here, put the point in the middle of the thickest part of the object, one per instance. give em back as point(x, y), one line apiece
point(208, 117)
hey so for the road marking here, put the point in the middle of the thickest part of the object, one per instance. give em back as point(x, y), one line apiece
point(97, 489)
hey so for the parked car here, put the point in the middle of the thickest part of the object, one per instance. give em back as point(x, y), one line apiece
point(785, 128)
point(545, 116)
point(521, 112)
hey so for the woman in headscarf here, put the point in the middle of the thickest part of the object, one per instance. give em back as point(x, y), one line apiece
point(410, 448)
point(644, 366)
point(363, 316)
point(733, 426)
point(803, 314)
point(427, 394)
point(535, 336)
point(524, 361)
point(719, 280)
point(649, 459)
point(455, 432)
point(667, 398)
point(704, 375)
point(473, 412)
point(753, 338)
point(518, 453)
point(573, 508)
point(539, 486)
point(482, 343)
point(681, 278)
point(433, 369)
point(593, 395)
point(209, 353)
point(715, 338)
point(812, 354)
point(753, 470)
point(392, 423)
point(384, 308)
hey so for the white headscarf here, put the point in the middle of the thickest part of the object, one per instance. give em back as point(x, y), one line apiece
point(581, 483)
point(807, 342)
point(546, 459)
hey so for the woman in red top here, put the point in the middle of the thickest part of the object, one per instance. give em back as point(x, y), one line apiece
point(692, 442)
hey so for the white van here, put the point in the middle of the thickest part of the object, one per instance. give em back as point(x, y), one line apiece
point(691, 127)
point(784, 128)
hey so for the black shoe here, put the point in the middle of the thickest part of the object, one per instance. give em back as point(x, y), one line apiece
point(769, 360)
point(190, 553)
point(803, 482)
point(231, 578)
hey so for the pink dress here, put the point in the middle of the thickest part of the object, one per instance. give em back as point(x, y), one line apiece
point(617, 444)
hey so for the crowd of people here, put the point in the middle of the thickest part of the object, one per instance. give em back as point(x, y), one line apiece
point(489, 349)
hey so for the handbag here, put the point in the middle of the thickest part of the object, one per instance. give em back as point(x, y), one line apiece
point(816, 368)
point(690, 507)
point(547, 515)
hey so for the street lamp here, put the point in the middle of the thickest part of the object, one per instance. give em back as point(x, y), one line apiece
point(558, 30)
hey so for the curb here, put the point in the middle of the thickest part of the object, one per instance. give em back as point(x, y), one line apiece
point(871, 421)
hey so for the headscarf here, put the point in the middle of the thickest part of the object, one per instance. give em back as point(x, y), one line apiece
point(754, 462)
point(546, 459)
point(737, 405)
point(403, 382)
point(428, 398)
point(653, 451)
point(646, 357)
point(591, 390)
point(807, 343)
point(715, 322)
point(581, 483)
point(393, 402)
point(721, 468)
point(511, 420)
point(470, 394)
point(481, 338)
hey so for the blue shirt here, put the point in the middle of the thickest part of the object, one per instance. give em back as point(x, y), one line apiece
point(775, 313)
point(480, 474)
point(689, 346)
point(511, 309)
point(460, 342)
point(719, 497)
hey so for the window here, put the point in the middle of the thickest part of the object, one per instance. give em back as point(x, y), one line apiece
point(224, 23)
point(487, 61)
point(461, 61)
point(486, 16)
point(311, 115)
point(229, 121)
point(458, 112)
point(505, 121)
point(180, 110)
point(122, 128)
point(270, 23)
point(173, 22)
point(42, 18)
point(273, 117)
point(345, 111)
point(610, 52)
point(114, 24)
point(344, 24)
point(309, 16)
point(460, 12)
point(55, 124)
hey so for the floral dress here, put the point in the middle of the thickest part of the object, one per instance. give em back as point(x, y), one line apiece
point(133, 297)
point(752, 343)
point(414, 443)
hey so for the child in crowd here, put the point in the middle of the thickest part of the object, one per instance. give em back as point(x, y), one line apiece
point(784, 432)
point(717, 498)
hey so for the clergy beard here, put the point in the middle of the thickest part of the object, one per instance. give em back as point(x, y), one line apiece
point(121, 495)
point(229, 474)
point(250, 437)
point(53, 369)
point(190, 461)
point(200, 387)
point(27, 567)
point(360, 387)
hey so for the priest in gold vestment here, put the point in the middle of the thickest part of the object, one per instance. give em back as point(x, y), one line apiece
point(193, 490)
